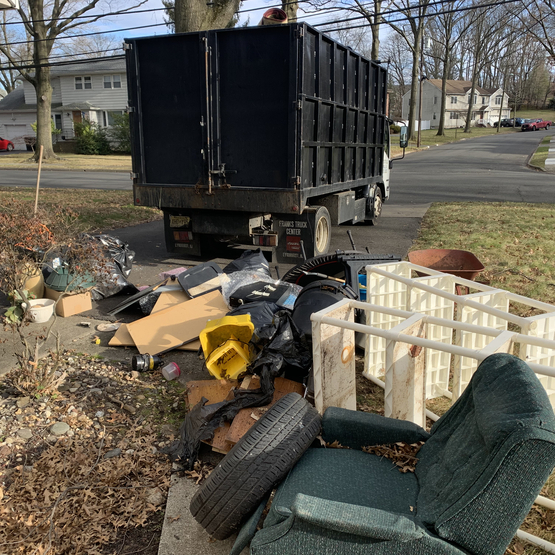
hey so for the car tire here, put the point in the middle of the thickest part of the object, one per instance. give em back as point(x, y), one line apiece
point(547, 127)
point(9, 148)
point(259, 460)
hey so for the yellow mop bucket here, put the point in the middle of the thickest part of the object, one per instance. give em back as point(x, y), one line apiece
point(225, 345)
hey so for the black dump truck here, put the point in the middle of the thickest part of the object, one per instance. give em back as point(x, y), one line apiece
point(262, 135)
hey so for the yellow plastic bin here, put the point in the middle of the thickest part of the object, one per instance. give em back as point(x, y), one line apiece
point(225, 345)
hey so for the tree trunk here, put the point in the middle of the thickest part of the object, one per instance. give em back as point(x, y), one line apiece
point(471, 98)
point(375, 54)
point(441, 128)
point(290, 8)
point(415, 77)
point(43, 88)
point(195, 15)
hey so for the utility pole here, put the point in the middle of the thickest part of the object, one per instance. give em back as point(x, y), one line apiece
point(420, 94)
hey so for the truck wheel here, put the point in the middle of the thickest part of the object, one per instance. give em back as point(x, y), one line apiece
point(547, 127)
point(322, 231)
point(259, 460)
point(377, 205)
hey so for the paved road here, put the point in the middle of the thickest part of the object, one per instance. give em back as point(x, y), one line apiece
point(491, 168)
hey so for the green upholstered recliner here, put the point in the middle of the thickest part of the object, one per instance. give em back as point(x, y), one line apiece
point(478, 473)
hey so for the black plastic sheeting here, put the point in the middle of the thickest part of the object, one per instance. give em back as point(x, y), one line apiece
point(121, 261)
point(249, 260)
point(286, 353)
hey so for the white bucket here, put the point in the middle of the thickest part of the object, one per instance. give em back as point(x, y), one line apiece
point(41, 310)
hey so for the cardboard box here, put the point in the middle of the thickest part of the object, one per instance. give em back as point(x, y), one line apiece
point(69, 303)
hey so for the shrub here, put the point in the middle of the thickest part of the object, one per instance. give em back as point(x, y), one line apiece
point(120, 133)
point(394, 129)
point(91, 139)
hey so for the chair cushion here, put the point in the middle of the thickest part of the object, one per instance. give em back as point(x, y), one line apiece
point(347, 476)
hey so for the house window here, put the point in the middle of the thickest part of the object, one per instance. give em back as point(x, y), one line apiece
point(435, 100)
point(475, 99)
point(83, 83)
point(453, 115)
point(453, 100)
point(434, 116)
point(112, 81)
point(108, 117)
point(484, 99)
point(498, 100)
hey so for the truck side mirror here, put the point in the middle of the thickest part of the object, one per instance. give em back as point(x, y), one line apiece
point(404, 138)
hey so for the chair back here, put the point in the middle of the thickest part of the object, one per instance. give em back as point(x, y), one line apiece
point(487, 458)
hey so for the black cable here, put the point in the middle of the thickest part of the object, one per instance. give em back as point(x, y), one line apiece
point(407, 18)
point(429, 14)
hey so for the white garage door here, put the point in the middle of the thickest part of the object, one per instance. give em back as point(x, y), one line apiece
point(15, 131)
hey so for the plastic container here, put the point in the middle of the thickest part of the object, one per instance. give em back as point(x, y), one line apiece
point(217, 332)
point(229, 361)
point(41, 310)
point(171, 371)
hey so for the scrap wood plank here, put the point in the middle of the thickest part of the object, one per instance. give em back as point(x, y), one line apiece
point(122, 338)
point(247, 417)
point(215, 391)
point(176, 325)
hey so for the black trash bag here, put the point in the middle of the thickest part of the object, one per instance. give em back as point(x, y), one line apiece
point(250, 260)
point(263, 319)
point(286, 353)
point(147, 302)
point(120, 262)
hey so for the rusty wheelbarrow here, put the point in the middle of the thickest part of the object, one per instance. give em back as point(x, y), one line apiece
point(459, 263)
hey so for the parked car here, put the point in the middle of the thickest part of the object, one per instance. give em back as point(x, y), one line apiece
point(535, 124)
point(6, 145)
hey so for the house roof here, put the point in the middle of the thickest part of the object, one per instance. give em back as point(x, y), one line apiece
point(82, 106)
point(456, 86)
point(15, 102)
point(100, 65)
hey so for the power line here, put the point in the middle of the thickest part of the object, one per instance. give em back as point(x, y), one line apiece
point(66, 63)
point(407, 18)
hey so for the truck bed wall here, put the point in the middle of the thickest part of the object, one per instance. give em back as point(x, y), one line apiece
point(280, 108)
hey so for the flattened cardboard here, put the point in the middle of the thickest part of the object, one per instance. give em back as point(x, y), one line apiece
point(122, 338)
point(176, 325)
point(169, 298)
point(69, 303)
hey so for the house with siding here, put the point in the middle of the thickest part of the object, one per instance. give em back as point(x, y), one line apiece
point(92, 90)
point(488, 105)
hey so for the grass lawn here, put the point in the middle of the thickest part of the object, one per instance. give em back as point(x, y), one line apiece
point(539, 157)
point(99, 210)
point(23, 160)
point(515, 243)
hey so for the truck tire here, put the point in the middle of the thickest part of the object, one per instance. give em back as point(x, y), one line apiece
point(377, 205)
point(322, 231)
point(259, 460)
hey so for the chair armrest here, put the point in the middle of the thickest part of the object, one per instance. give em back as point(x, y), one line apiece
point(355, 429)
point(355, 519)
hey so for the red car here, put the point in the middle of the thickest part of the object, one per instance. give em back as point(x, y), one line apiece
point(535, 125)
point(6, 145)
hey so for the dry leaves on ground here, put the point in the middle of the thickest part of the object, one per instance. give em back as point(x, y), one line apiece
point(72, 500)
point(402, 454)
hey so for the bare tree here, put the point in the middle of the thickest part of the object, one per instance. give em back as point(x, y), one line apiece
point(20, 52)
point(490, 35)
point(537, 17)
point(399, 60)
point(448, 28)
point(413, 33)
point(45, 23)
